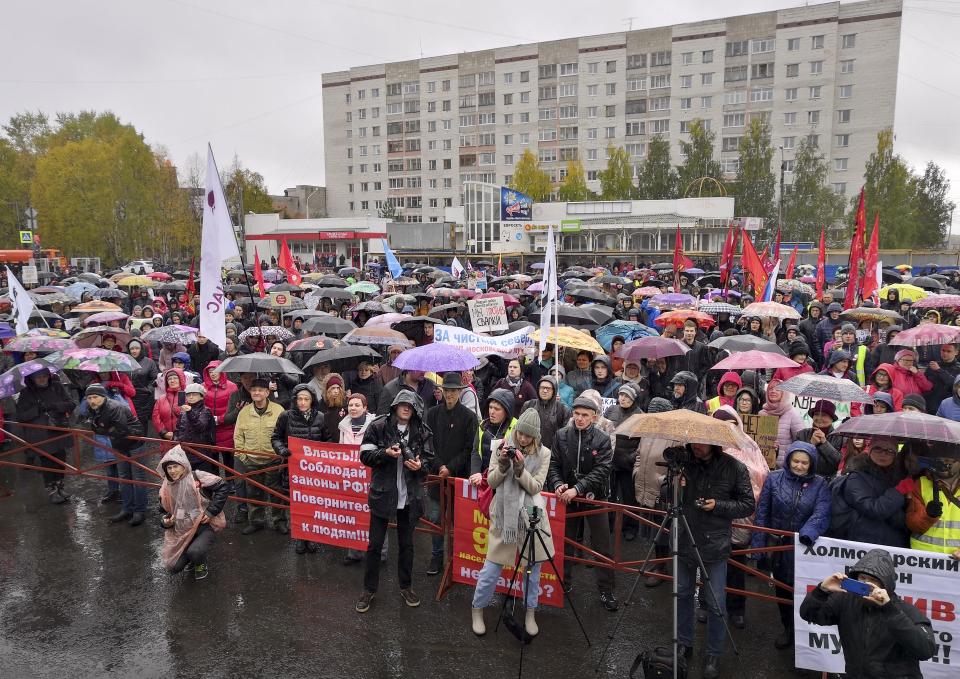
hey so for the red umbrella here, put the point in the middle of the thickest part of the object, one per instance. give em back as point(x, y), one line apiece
point(508, 300)
point(651, 347)
point(160, 276)
point(927, 334)
point(754, 360)
point(680, 315)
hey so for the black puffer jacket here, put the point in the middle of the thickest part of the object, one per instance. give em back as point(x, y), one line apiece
point(114, 420)
point(877, 641)
point(879, 509)
point(50, 406)
point(553, 414)
point(382, 434)
point(302, 425)
point(581, 460)
point(724, 479)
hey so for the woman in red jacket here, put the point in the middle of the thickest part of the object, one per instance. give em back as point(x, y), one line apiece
point(166, 411)
point(906, 377)
point(219, 389)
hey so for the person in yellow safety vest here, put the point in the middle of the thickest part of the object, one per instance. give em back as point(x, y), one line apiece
point(933, 515)
point(727, 389)
point(858, 352)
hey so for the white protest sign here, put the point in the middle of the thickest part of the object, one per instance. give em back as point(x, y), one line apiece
point(508, 346)
point(928, 580)
point(803, 404)
point(28, 274)
point(488, 315)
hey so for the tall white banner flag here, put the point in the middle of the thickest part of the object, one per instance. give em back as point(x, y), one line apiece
point(550, 289)
point(456, 268)
point(218, 243)
point(20, 302)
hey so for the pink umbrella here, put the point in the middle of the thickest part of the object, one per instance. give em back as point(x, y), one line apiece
point(537, 287)
point(508, 300)
point(105, 317)
point(754, 360)
point(651, 347)
point(927, 334)
point(648, 291)
point(386, 320)
point(937, 302)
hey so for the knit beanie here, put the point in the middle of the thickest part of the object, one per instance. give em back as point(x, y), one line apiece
point(528, 423)
point(659, 405)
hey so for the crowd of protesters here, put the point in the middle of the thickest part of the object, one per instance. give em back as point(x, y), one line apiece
point(520, 426)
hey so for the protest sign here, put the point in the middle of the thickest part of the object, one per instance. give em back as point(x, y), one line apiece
point(802, 404)
point(508, 346)
point(763, 429)
point(470, 528)
point(328, 494)
point(926, 580)
point(488, 315)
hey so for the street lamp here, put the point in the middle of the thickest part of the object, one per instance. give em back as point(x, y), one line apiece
point(308, 202)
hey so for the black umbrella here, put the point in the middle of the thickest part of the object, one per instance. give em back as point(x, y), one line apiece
point(574, 274)
point(333, 294)
point(443, 308)
point(174, 286)
point(574, 316)
point(662, 266)
point(483, 262)
point(286, 287)
point(259, 362)
point(343, 357)
point(591, 294)
point(331, 281)
point(745, 343)
point(520, 325)
point(328, 325)
point(926, 282)
point(598, 312)
point(236, 288)
point(348, 271)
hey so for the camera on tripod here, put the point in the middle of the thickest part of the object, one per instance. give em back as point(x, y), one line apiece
point(534, 514)
point(676, 455)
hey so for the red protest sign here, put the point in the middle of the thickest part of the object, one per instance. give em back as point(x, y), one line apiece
point(470, 545)
point(328, 494)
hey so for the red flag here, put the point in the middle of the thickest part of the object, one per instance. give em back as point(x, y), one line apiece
point(725, 258)
point(869, 284)
point(776, 247)
point(753, 266)
point(680, 261)
point(258, 273)
point(856, 256)
point(191, 285)
point(500, 265)
point(821, 262)
point(792, 263)
point(286, 263)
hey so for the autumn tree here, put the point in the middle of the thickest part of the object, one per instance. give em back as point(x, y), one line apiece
point(933, 209)
point(616, 181)
point(530, 179)
point(573, 187)
point(808, 202)
point(245, 191)
point(698, 162)
point(656, 177)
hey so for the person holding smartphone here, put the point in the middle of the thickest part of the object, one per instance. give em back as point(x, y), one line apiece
point(881, 635)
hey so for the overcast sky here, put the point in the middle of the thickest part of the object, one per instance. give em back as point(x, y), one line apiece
point(245, 74)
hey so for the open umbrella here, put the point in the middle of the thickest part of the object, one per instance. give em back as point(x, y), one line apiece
point(328, 325)
point(436, 357)
point(826, 387)
point(377, 335)
point(364, 287)
point(678, 317)
point(651, 348)
point(927, 334)
point(682, 426)
point(109, 293)
point(771, 310)
point(77, 289)
point(441, 309)
point(13, 380)
point(371, 308)
point(343, 357)
point(568, 314)
point(508, 300)
point(172, 334)
point(745, 343)
point(570, 337)
point(790, 285)
point(628, 330)
point(104, 317)
point(754, 360)
point(335, 294)
point(937, 302)
point(714, 308)
point(331, 281)
point(48, 315)
point(903, 425)
point(277, 331)
point(926, 282)
point(136, 281)
point(646, 291)
point(293, 304)
point(259, 362)
point(908, 293)
point(94, 307)
point(161, 276)
point(871, 314)
point(181, 286)
point(38, 344)
point(673, 300)
point(93, 337)
point(95, 360)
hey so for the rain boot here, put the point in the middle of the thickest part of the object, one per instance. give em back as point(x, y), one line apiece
point(54, 497)
point(63, 494)
point(530, 622)
point(479, 628)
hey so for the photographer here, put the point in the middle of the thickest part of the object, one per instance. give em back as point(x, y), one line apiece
point(716, 491)
point(881, 636)
point(518, 476)
point(399, 449)
point(580, 467)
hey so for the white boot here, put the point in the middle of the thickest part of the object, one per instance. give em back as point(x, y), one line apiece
point(530, 622)
point(479, 628)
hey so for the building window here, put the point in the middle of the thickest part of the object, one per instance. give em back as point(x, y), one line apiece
point(686, 58)
point(734, 73)
point(816, 67)
point(508, 119)
point(547, 92)
point(488, 158)
point(568, 90)
point(394, 89)
point(659, 81)
point(569, 69)
point(842, 141)
point(734, 97)
point(840, 188)
point(634, 128)
point(660, 126)
point(815, 91)
point(524, 76)
point(612, 66)
point(789, 119)
point(524, 97)
point(790, 94)
point(813, 140)
point(840, 164)
point(508, 140)
point(763, 45)
point(611, 89)
point(374, 92)
point(686, 81)
point(816, 42)
point(568, 111)
point(659, 59)
point(633, 61)
point(361, 94)
point(592, 90)
point(592, 111)
point(844, 115)
point(507, 99)
point(845, 91)
point(761, 94)
point(547, 155)
point(789, 166)
point(706, 56)
point(525, 117)
point(547, 71)
point(486, 78)
point(789, 142)
point(660, 104)
point(793, 45)
point(758, 71)
point(592, 133)
point(848, 41)
point(548, 134)
point(609, 132)
point(846, 66)
point(593, 67)
point(686, 103)
point(591, 154)
point(793, 70)
point(738, 48)
point(730, 144)
point(706, 78)
point(734, 119)
point(706, 102)
point(636, 84)
point(508, 78)
point(813, 117)
point(610, 111)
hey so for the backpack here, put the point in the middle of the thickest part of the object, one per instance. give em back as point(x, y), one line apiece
point(658, 664)
point(842, 516)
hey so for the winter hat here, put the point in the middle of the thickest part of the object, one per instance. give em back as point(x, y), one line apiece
point(798, 347)
point(834, 306)
point(630, 389)
point(824, 407)
point(836, 356)
point(848, 327)
point(915, 400)
point(195, 389)
point(96, 389)
point(659, 405)
point(261, 382)
point(333, 380)
point(904, 352)
point(586, 402)
point(528, 423)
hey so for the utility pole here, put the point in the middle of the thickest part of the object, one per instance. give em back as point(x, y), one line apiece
point(783, 170)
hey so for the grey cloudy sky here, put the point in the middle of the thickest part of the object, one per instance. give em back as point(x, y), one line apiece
point(245, 74)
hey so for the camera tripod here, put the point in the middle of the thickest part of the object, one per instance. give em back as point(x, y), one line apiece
point(673, 518)
point(528, 552)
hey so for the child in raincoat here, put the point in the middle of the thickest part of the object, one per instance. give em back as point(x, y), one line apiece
point(191, 506)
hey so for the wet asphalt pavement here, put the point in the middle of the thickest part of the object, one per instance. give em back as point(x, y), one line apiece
point(81, 598)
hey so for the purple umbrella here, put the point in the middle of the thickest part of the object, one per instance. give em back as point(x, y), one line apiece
point(12, 381)
point(672, 300)
point(651, 347)
point(720, 293)
point(435, 357)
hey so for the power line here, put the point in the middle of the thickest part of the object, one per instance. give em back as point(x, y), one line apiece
point(250, 119)
point(930, 44)
point(930, 85)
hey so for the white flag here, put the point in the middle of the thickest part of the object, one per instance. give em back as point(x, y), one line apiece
point(550, 289)
point(218, 243)
point(456, 268)
point(20, 302)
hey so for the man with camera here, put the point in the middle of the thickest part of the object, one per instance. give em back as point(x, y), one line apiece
point(580, 467)
point(399, 449)
point(716, 491)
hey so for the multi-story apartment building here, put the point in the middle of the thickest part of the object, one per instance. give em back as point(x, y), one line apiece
point(408, 134)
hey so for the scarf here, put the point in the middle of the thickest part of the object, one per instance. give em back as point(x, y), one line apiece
point(515, 384)
point(510, 498)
